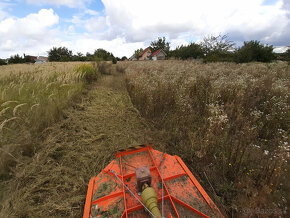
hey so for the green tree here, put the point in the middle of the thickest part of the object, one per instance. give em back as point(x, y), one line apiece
point(137, 53)
point(287, 54)
point(60, 54)
point(124, 58)
point(216, 44)
point(15, 59)
point(254, 51)
point(160, 43)
point(79, 57)
point(217, 48)
point(184, 52)
point(89, 57)
point(103, 55)
point(114, 60)
point(2, 62)
point(28, 59)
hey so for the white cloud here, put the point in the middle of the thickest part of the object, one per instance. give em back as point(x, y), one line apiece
point(119, 47)
point(281, 49)
point(126, 25)
point(68, 3)
point(29, 33)
point(143, 20)
point(93, 24)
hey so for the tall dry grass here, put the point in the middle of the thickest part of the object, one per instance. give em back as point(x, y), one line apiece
point(31, 98)
point(230, 122)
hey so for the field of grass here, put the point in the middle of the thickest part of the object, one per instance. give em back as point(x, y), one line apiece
point(229, 122)
point(32, 98)
point(102, 120)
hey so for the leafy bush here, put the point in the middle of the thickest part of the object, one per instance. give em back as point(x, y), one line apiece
point(60, 54)
point(254, 51)
point(2, 62)
point(114, 61)
point(15, 59)
point(103, 55)
point(185, 52)
point(220, 57)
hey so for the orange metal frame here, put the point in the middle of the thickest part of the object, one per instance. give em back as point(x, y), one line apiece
point(155, 167)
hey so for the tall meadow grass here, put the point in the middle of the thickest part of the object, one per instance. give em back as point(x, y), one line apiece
point(31, 98)
point(230, 122)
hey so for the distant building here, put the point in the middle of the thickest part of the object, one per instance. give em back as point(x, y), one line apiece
point(41, 59)
point(146, 54)
point(159, 55)
point(132, 58)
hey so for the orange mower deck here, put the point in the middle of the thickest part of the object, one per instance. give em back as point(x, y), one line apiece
point(183, 195)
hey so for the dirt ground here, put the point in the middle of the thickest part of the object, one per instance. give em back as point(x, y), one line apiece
point(54, 182)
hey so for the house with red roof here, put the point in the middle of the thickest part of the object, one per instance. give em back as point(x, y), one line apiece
point(158, 55)
point(145, 55)
point(148, 55)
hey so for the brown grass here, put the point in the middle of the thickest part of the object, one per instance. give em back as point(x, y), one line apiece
point(32, 97)
point(229, 122)
point(53, 183)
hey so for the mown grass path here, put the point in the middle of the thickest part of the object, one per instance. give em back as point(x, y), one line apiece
point(54, 182)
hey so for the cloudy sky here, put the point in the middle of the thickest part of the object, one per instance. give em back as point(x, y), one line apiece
point(121, 26)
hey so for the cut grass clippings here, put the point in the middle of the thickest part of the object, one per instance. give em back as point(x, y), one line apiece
point(54, 183)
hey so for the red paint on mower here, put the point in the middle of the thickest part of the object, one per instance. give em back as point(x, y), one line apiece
point(183, 195)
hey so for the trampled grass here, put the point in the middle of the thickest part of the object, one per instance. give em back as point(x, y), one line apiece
point(230, 122)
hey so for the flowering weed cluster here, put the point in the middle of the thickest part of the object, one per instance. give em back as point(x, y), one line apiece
point(228, 121)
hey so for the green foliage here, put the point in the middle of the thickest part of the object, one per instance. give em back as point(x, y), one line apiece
point(220, 57)
point(32, 98)
point(79, 57)
point(137, 53)
point(28, 59)
point(114, 60)
point(124, 58)
point(64, 54)
point(88, 72)
point(160, 43)
point(102, 55)
point(286, 56)
point(184, 52)
point(287, 53)
point(217, 48)
point(59, 54)
point(2, 62)
point(254, 51)
point(15, 59)
point(216, 44)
